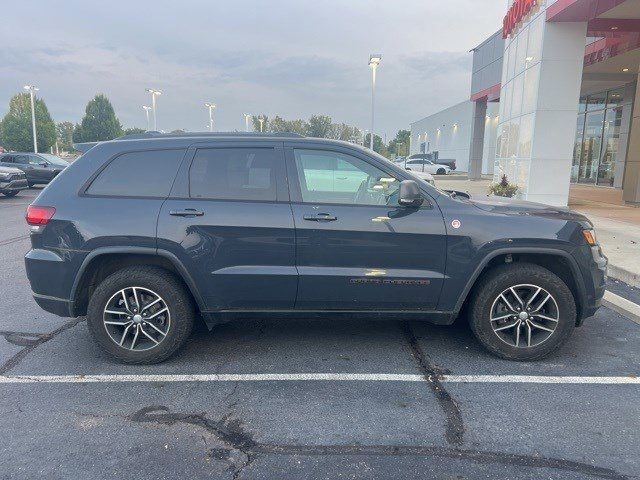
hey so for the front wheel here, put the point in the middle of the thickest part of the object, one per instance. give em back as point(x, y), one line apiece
point(441, 171)
point(522, 312)
point(10, 193)
point(140, 314)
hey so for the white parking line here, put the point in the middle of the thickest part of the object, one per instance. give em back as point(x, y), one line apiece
point(332, 377)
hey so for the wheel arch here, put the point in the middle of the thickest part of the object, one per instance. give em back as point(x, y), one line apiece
point(567, 269)
point(101, 262)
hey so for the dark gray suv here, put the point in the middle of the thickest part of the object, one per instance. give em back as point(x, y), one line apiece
point(145, 235)
point(39, 168)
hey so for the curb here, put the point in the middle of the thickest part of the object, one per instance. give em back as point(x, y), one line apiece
point(624, 307)
point(626, 276)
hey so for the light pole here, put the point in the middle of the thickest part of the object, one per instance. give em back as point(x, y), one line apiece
point(154, 93)
point(374, 61)
point(210, 106)
point(261, 120)
point(32, 89)
point(247, 116)
point(146, 111)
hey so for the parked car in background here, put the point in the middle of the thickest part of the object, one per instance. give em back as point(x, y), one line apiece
point(39, 168)
point(426, 176)
point(451, 163)
point(422, 165)
point(144, 236)
point(12, 180)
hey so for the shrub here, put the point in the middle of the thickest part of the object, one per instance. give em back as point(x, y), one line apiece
point(504, 188)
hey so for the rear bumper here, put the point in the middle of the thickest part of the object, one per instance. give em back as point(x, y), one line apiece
point(48, 276)
point(57, 306)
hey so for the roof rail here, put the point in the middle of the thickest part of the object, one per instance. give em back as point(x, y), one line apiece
point(155, 134)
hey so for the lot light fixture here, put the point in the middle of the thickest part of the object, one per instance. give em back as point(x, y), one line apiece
point(154, 93)
point(261, 120)
point(210, 106)
point(32, 89)
point(246, 116)
point(146, 109)
point(374, 61)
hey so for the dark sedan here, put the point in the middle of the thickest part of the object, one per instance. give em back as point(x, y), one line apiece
point(40, 168)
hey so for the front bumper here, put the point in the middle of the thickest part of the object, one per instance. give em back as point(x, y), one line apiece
point(14, 184)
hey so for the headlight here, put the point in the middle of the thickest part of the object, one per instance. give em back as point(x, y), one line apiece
point(4, 176)
point(590, 236)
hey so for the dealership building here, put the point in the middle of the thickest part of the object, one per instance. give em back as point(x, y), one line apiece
point(554, 101)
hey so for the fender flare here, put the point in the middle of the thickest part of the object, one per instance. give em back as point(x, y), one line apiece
point(152, 252)
point(575, 270)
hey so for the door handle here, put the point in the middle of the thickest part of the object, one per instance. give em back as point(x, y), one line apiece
point(341, 178)
point(320, 217)
point(187, 212)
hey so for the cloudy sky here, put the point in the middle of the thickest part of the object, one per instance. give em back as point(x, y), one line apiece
point(294, 58)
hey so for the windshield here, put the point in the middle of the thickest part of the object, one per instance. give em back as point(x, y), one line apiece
point(54, 160)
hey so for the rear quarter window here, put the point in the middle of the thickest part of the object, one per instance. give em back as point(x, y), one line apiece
point(138, 174)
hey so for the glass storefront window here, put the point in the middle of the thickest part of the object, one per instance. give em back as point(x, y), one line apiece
point(611, 135)
point(615, 97)
point(516, 102)
point(521, 52)
point(597, 135)
point(582, 106)
point(591, 147)
point(577, 147)
point(525, 136)
point(530, 92)
point(534, 49)
point(596, 101)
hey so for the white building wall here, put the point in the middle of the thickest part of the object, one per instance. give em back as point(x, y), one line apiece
point(449, 132)
point(541, 76)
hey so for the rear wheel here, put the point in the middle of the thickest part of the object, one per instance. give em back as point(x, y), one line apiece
point(522, 312)
point(140, 314)
point(10, 193)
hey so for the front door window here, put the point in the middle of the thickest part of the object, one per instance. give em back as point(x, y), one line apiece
point(333, 177)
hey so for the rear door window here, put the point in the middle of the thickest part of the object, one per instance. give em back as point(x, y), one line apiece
point(234, 174)
point(138, 174)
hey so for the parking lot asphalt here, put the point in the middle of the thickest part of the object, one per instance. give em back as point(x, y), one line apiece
point(419, 423)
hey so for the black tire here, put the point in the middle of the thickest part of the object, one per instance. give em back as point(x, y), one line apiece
point(177, 299)
point(441, 171)
point(10, 193)
point(510, 275)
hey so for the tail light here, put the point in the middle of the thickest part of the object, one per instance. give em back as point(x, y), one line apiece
point(37, 215)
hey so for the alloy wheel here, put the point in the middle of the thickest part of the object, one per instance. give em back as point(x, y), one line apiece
point(524, 316)
point(136, 318)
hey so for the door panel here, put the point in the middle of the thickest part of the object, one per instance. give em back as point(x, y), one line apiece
point(357, 249)
point(240, 251)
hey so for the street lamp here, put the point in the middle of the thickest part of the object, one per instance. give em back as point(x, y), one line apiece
point(154, 93)
point(374, 61)
point(32, 89)
point(261, 120)
point(210, 106)
point(247, 116)
point(146, 111)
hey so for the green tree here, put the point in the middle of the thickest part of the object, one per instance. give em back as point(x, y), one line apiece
point(400, 145)
point(256, 123)
point(133, 131)
point(16, 129)
point(320, 126)
point(378, 145)
point(64, 132)
point(99, 123)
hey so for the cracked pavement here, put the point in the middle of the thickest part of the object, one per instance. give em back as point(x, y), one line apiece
point(319, 429)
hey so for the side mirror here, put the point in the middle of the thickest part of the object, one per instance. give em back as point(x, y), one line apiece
point(407, 168)
point(44, 164)
point(409, 195)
